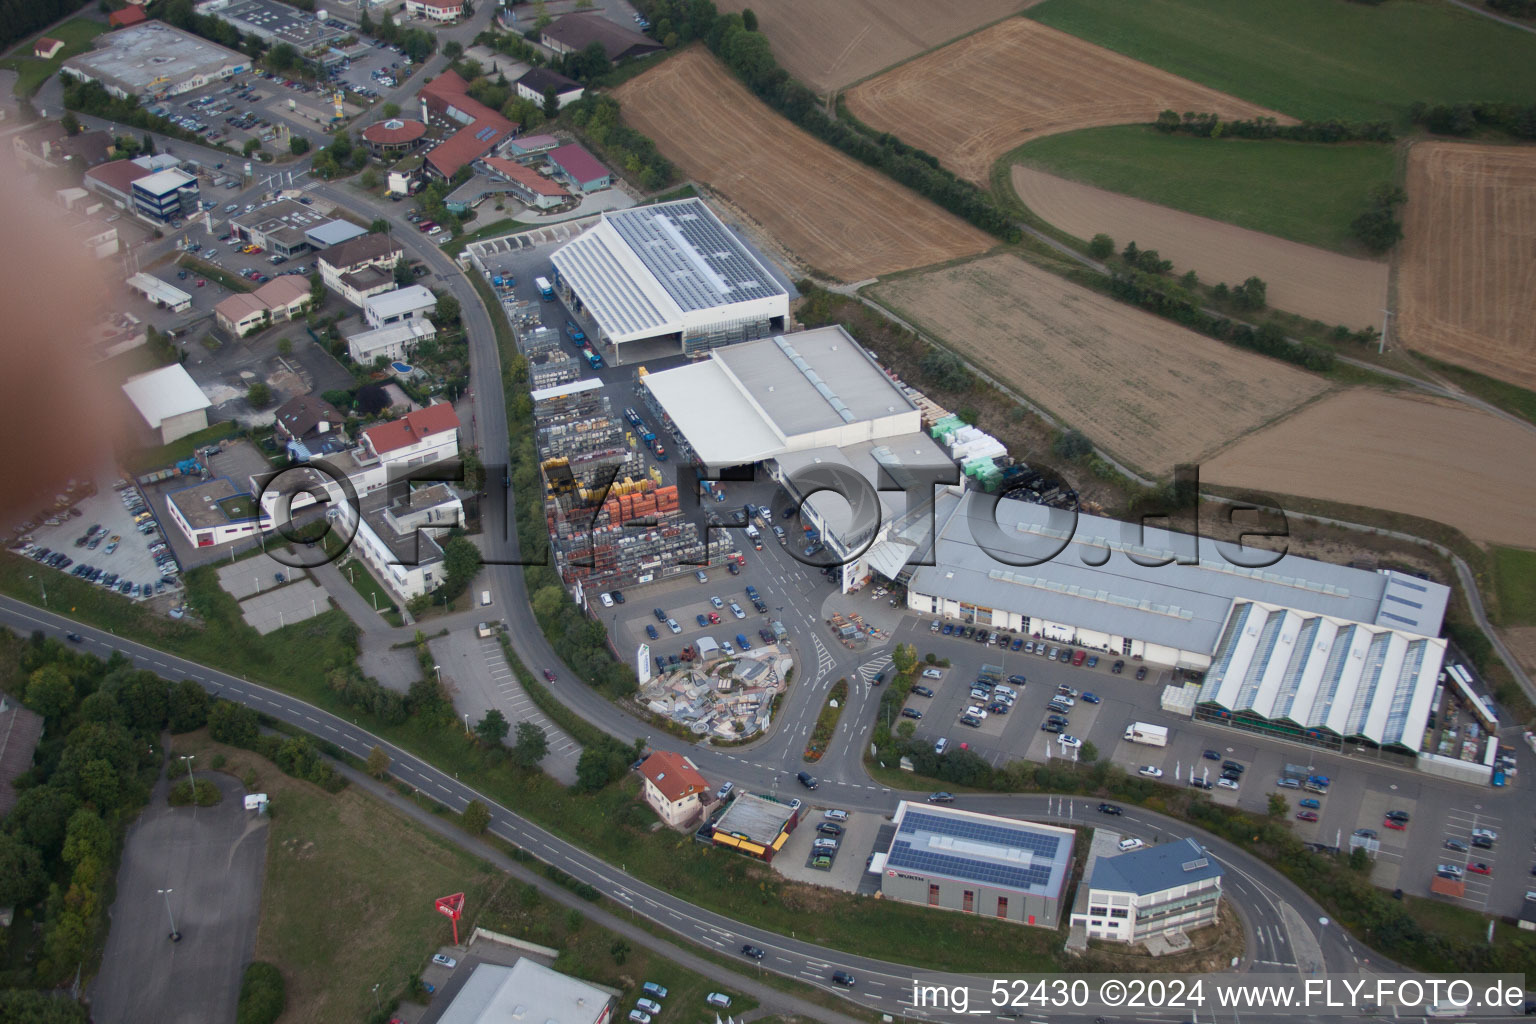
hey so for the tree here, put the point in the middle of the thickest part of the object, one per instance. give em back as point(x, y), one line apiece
point(1072, 444)
point(378, 763)
point(392, 109)
point(530, 747)
point(403, 273)
point(149, 144)
point(316, 290)
point(453, 49)
point(49, 692)
point(298, 145)
point(541, 18)
point(259, 395)
point(282, 57)
point(380, 226)
point(493, 728)
point(1359, 860)
point(448, 312)
point(551, 108)
point(461, 561)
point(369, 179)
point(592, 62)
point(86, 836)
point(477, 817)
point(188, 706)
point(1277, 805)
point(1252, 294)
point(946, 370)
point(251, 146)
point(1088, 753)
point(21, 872)
point(262, 990)
point(1101, 247)
point(232, 723)
point(749, 20)
point(70, 123)
point(284, 347)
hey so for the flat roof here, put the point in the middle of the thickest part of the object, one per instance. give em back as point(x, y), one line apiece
point(283, 213)
point(528, 993)
point(279, 20)
point(813, 380)
point(1005, 853)
point(705, 405)
point(152, 286)
point(391, 334)
point(893, 455)
point(400, 300)
point(756, 818)
point(333, 232)
point(1181, 606)
point(214, 503)
point(154, 56)
point(1154, 868)
point(640, 271)
point(164, 182)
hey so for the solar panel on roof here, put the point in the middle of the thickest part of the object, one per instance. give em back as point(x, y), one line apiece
point(694, 258)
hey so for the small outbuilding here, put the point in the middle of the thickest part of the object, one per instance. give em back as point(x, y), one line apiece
point(170, 401)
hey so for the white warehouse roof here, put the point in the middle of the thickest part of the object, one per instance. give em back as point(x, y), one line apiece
point(525, 992)
point(332, 233)
point(157, 290)
point(655, 270)
point(164, 182)
point(401, 300)
point(164, 393)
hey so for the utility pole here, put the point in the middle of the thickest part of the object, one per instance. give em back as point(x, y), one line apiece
point(1386, 316)
point(175, 935)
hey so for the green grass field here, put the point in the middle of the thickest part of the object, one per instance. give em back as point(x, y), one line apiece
point(76, 34)
point(1514, 580)
point(1307, 192)
point(1315, 59)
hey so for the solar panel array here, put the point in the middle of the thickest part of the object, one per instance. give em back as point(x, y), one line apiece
point(692, 255)
point(911, 850)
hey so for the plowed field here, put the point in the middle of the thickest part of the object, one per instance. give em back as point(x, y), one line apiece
point(976, 99)
point(839, 216)
point(1467, 288)
point(1426, 457)
point(1150, 392)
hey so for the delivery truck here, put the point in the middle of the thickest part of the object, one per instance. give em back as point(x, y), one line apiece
point(546, 290)
point(1151, 735)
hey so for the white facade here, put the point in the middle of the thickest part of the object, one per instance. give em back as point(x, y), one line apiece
point(436, 10)
point(392, 343)
point(1155, 891)
point(413, 302)
point(170, 402)
point(160, 293)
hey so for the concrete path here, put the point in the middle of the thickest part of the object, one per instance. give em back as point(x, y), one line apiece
point(347, 598)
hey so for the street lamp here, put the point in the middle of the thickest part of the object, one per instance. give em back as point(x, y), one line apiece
point(190, 777)
point(44, 585)
point(175, 935)
point(439, 670)
point(466, 723)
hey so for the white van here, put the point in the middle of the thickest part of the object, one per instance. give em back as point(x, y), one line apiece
point(485, 597)
point(753, 532)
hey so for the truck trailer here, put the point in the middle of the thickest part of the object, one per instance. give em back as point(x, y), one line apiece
point(1151, 735)
point(546, 290)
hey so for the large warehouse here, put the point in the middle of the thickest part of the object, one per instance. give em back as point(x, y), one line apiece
point(670, 273)
point(154, 59)
point(1302, 649)
point(977, 864)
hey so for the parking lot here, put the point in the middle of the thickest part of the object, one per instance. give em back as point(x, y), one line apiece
point(124, 554)
point(849, 859)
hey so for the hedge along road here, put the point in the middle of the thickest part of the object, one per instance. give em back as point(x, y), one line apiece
point(1294, 940)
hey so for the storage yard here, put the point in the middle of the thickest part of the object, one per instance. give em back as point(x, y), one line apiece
point(1465, 290)
point(1301, 278)
point(836, 215)
point(1149, 391)
point(1425, 457)
point(828, 46)
point(977, 99)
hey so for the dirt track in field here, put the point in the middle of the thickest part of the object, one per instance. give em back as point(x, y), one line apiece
point(1423, 456)
point(1466, 288)
point(1301, 278)
point(979, 98)
point(1150, 392)
point(829, 45)
point(837, 215)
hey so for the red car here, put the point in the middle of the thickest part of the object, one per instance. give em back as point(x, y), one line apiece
point(201, 282)
point(714, 619)
point(1480, 869)
point(549, 675)
point(1394, 824)
point(1306, 815)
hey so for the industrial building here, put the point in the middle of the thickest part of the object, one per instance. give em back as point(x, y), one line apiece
point(527, 993)
point(213, 512)
point(413, 302)
point(757, 826)
point(273, 22)
point(161, 294)
point(575, 32)
point(280, 228)
point(670, 273)
point(166, 196)
point(1158, 890)
point(977, 864)
point(170, 402)
point(154, 60)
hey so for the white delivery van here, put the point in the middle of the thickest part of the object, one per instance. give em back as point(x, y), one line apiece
point(485, 597)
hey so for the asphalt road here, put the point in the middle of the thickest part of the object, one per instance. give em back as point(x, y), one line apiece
point(211, 858)
point(882, 986)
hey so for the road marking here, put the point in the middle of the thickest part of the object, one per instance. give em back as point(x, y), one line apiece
point(308, 719)
point(330, 728)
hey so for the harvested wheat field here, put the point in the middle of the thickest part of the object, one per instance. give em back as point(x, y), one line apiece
point(974, 100)
point(837, 215)
point(1301, 278)
point(1423, 456)
point(827, 46)
point(1467, 285)
point(1150, 392)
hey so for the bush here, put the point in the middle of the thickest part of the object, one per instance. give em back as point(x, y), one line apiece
point(946, 370)
point(262, 994)
point(1378, 228)
point(207, 794)
point(1072, 444)
point(1101, 247)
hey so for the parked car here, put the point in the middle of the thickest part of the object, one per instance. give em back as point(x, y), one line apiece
point(1458, 845)
point(941, 798)
point(1309, 802)
point(912, 713)
point(1228, 783)
point(1131, 843)
point(1306, 815)
point(1141, 673)
point(1211, 755)
point(826, 828)
point(444, 961)
point(1089, 698)
point(1150, 771)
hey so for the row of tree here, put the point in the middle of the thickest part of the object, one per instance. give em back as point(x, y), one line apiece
point(1211, 126)
point(1516, 119)
point(597, 118)
point(93, 99)
point(416, 43)
point(1514, 8)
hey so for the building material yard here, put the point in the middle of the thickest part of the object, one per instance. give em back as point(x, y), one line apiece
point(1150, 392)
point(1425, 457)
point(828, 46)
point(838, 216)
point(1465, 288)
point(1301, 279)
point(977, 99)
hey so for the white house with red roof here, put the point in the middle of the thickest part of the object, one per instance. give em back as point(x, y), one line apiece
point(674, 788)
point(437, 10)
point(416, 439)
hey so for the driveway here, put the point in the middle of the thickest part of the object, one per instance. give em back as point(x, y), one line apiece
point(211, 858)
